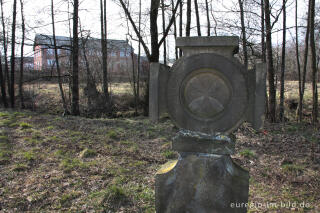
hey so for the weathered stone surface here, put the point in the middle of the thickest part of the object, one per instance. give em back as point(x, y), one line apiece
point(222, 45)
point(157, 96)
point(257, 95)
point(260, 96)
point(189, 141)
point(207, 93)
point(201, 183)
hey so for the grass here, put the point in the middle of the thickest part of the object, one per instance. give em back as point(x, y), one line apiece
point(113, 196)
point(169, 154)
point(29, 155)
point(78, 164)
point(247, 153)
point(24, 125)
point(19, 167)
point(292, 168)
point(88, 153)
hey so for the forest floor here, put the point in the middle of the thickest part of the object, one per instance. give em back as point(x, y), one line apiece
point(51, 163)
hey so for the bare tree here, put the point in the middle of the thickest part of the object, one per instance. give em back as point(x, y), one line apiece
point(12, 61)
point(208, 18)
point(174, 28)
point(3, 87)
point(5, 50)
point(304, 72)
point(139, 54)
point(3, 83)
point(75, 61)
point(163, 30)
point(283, 63)
point(197, 17)
point(104, 49)
point(188, 24)
point(155, 45)
point(64, 103)
point(270, 69)
point(263, 48)
point(313, 65)
point(180, 24)
point(21, 57)
point(243, 33)
point(299, 111)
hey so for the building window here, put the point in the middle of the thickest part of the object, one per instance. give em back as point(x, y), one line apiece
point(113, 53)
point(125, 53)
point(51, 62)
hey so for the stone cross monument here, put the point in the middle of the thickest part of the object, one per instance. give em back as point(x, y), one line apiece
point(208, 94)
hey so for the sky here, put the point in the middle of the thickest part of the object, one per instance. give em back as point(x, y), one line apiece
point(37, 13)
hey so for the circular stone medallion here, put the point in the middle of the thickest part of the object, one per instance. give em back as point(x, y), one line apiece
point(207, 93)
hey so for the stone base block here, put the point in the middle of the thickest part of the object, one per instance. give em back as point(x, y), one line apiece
point(202, 183)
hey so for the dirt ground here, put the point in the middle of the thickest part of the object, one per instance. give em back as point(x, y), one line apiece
point(54, 163)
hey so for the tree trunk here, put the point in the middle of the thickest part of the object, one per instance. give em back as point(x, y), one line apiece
point(263, 46)
point(105, 71)
point(313, 65)
point(263, 54)
point(188, 27)
point(12, 61)
point(64, 103)
point(139, 54)
point(305, 57)
point(244, 37)
point(163, 30)
point(270, 69)
point(21, 60)
point(299, 111)
point(208, 18)
point(3, 87)
point(283, 64)
point(154, 30)
point(154, 56)
point(197, 17)
point(75, 61)
point(104, 50)
point(134, 79)
point(180, 25)
point(174, 28)
point(5, 50)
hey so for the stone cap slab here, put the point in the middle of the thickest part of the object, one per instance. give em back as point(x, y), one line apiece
point(223, 45)
point(198, 142)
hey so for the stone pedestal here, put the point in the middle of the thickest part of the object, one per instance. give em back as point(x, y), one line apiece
point(202, 182)
point(206, 92)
